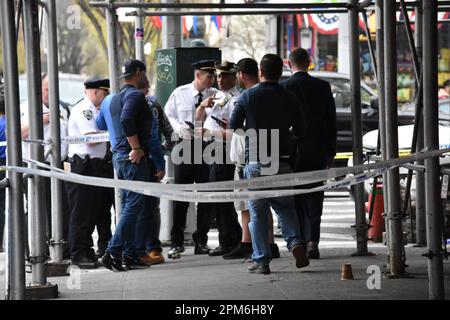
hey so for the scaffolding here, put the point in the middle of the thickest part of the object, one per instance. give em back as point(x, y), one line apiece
point(425, 127)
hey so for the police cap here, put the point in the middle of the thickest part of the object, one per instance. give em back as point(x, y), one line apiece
point(97, 84)
point(204, 65)
point(226, 67)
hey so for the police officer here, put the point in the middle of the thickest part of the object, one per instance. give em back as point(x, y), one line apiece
point(180, 109)
point(90, 206)
point(216, 112)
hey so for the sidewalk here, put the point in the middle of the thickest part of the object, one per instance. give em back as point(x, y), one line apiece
point(196, 277)
point(199, 277)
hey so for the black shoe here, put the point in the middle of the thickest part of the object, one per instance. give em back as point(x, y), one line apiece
point(84, 263)
point(275, 251)
point(201, 248)
point(259, 268)
point(100, 253)
point(219, 251)
point(131, 263)
point(312, 250)
point(175, 252)
point(112, 263)
point(301, 260)
point(91, 255)
point(242, 251)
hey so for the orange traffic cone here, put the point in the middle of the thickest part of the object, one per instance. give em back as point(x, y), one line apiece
point(377, 223)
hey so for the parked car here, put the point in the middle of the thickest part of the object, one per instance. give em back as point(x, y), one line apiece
point(340, 87)
point(405, 135)
point(71, 88)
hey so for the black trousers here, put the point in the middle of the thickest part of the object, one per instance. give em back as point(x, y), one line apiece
point(309, 206)
point(230, 231)
point(2, 203)
point(90, 207)
point(190, 173)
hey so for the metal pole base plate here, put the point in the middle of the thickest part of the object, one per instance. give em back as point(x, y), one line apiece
point(57, 269)
point(356, 254)
point(404, 275)
point(38, 292)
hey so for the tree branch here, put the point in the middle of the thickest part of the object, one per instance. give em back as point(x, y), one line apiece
point(85, 7)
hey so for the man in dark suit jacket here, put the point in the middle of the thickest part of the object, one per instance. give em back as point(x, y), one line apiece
point(318, 147)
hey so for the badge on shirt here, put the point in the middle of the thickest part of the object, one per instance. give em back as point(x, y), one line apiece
point(88, 114)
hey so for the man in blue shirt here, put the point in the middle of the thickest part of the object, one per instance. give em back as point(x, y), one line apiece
point(153, 244)
point(131, 126)
point(269, 107)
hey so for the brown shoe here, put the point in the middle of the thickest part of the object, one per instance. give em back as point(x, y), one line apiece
point(301, 260)
point(152, 258)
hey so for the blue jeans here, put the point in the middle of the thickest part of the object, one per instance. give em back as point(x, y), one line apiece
point(132, 226)
point(259, 217)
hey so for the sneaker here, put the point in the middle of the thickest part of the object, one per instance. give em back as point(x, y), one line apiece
point(242, 251)
point(112, 263)
point(131, 263)
point(259, 268)
point(301, 260)
point(275, 251)
point(312, 250)
point(175, 252)
point(154, 257)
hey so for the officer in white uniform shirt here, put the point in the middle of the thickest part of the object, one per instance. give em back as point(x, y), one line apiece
point(180, 109)
point(215, 113)
point(25, 128)
point(90, 206)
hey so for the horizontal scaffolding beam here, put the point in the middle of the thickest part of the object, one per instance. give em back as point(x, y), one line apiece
point(232, 13)
point(147, 5)
point(442, 5)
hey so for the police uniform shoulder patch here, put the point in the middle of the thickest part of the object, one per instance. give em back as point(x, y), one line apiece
point(88, 114)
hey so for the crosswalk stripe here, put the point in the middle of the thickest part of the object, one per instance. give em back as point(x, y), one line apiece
point(337, 217)
point(336, 225)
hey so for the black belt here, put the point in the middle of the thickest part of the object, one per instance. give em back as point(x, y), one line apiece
point(94, 163)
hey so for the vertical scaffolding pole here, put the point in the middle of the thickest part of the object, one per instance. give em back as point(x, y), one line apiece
point(112, 25)
point(355, 81)
point(171, 38)
point(421, 235)
point(434, 217)
point(15, 269)
point(171, 30)
point(139, 38)
point(56, 241)
point(279, 36)
point(36, 198)
point(381, 98)
point(395, 233)
point(113, 62)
